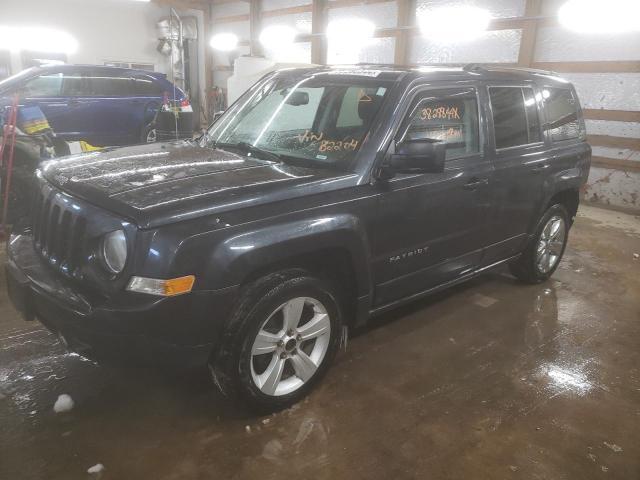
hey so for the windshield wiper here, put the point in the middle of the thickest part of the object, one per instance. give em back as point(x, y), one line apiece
point(248, 148)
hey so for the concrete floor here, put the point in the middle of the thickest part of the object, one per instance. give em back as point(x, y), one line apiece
point(491, 380)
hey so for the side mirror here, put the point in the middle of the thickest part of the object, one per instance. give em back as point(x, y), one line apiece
point(298, 98)
point(423, 155)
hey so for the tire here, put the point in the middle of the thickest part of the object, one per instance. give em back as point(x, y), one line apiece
point(257, 349)
point(544, 251)
point(149, 134)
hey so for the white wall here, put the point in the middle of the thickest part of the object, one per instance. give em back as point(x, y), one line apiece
point(609, 91)
point(122, 30)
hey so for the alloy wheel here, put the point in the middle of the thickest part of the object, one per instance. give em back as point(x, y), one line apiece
point(550, 244)
point(290, 346)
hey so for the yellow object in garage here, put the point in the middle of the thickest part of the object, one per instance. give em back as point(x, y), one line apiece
point(81, 147)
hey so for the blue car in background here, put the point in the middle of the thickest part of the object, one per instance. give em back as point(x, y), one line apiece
point(103, 106)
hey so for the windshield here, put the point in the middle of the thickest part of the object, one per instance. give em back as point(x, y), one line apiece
point(318, 120)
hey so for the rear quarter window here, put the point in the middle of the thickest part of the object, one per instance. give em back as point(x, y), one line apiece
point(106, 85)
point(146, 86)
point(561, 110)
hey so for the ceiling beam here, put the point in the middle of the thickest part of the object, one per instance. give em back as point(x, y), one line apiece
point(406, 18)
point(532, 9)
point(319, 18)
point(614, 142)
point(622, 164)
point(184, 4)
point(255, 25)
point(611, 115)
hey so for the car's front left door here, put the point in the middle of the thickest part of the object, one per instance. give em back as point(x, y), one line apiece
point(430, 227)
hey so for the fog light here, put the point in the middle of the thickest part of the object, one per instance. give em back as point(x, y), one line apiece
point(164, 288)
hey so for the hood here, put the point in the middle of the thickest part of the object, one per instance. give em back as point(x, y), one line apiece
point(168, 182)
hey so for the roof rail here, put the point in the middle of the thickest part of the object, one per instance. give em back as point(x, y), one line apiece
point(474, 67)
point(478, 67)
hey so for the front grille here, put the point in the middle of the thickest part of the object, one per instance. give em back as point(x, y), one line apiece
point(59, 230)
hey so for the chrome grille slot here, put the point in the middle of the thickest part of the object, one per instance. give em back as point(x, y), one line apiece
point(77, 240)
point(52, 232)
point(35, 218)
point(59, 229)
point(62, 247)
point(44, 222)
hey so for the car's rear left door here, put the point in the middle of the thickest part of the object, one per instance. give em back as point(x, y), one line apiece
point(111, 103)
point(521, 160)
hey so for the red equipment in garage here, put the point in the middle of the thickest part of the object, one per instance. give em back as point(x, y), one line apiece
point(8, 141)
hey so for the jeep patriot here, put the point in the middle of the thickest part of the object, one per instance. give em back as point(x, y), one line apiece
point(322, 197)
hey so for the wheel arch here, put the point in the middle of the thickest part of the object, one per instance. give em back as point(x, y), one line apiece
point(335, 248)
point(562, 187)
point(569, 198)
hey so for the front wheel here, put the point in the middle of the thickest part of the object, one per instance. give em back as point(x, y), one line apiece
point(544, 251)
point(282, 338)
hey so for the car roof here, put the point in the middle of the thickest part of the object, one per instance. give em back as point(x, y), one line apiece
point(443, 72)
point(122, 70)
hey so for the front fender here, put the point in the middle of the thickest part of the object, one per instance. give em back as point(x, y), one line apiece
point(242, 254)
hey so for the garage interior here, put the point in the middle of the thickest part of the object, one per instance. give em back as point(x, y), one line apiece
point(489, 379)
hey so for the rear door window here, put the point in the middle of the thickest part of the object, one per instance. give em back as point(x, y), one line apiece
point(448, 115)
point(106, 84)
point(561, 109)
point(515, 116)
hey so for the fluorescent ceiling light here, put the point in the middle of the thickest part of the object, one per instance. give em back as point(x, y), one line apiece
point(224, 42)
point(596, 16)
point(453, 24)
point(277, 37)
point(350, 32)
point(37, 39)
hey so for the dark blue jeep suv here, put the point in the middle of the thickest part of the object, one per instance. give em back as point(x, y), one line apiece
point(97, 104)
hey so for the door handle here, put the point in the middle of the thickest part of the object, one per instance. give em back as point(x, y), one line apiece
point(475, 183)
point(73, 103)
point(540, 168)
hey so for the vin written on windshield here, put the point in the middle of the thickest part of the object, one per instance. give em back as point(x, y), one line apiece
point(321, 119)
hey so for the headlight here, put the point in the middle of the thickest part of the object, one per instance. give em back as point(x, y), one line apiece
point(114, 251)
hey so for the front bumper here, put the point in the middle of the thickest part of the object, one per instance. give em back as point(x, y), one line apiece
point(138, 329)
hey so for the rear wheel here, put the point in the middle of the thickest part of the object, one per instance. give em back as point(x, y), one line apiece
point(544, 252)
point(282, 338)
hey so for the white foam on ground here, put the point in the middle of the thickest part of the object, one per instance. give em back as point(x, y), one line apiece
point(97, 468)
point(64, 403)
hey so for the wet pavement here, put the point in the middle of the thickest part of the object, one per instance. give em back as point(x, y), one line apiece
point(490, 380)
